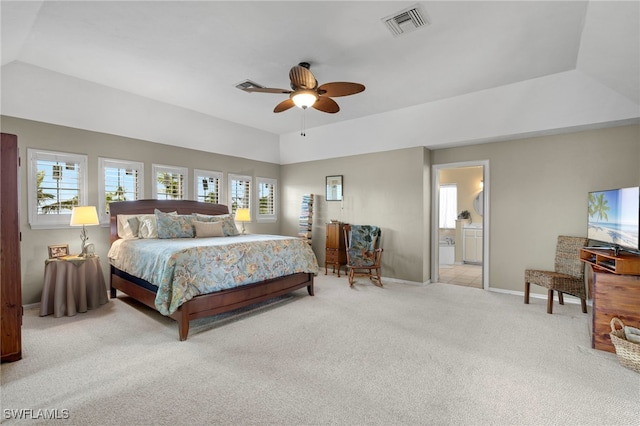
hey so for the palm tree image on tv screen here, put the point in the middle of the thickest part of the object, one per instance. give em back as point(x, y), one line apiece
point(614, 217)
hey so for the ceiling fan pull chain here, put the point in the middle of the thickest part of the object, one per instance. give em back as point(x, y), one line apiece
point(303, 132)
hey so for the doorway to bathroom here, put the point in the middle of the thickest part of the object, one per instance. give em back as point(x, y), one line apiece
point(460, 247)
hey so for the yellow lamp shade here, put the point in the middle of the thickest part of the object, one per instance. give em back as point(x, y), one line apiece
point(84, 215)
point(243, 215)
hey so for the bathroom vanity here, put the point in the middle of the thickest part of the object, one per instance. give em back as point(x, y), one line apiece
point(472, 243)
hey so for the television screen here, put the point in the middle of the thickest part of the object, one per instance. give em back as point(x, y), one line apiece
point(614, 217)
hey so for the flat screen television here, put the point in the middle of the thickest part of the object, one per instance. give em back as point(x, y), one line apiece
point(614, 218)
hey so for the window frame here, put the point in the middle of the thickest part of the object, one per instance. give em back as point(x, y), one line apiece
point(198, 174)
point(104, 163)
point(267, 217)
point(162, 168)
point(60, 220)
point(234, 177)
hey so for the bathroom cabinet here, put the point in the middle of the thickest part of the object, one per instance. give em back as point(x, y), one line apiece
point(472, 245)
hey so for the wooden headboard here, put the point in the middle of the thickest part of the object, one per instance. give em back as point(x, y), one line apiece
point(148, 207)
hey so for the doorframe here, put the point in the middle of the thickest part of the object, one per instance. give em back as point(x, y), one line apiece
point(435, 214)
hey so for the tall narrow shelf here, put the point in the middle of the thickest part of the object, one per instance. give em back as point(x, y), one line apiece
point(306, 218)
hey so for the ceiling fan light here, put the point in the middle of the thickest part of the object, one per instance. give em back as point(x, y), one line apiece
point(304, 98)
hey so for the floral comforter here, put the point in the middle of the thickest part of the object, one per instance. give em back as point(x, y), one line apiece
point(182, 268)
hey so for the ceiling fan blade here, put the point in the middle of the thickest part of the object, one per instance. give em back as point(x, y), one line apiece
point(340, 88)
point(302, 78)
point(284, 105)
point(266, 90)
point(326, 104)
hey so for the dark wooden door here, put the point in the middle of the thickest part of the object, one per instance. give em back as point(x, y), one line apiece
point(11, 287)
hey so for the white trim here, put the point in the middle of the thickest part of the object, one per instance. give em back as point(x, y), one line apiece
point(103, 163)
point(231, 177)
point(567, 297)
point(161, 168)
point(209, 174)
point(37, 221)
point(435, 213)
point(266, 218)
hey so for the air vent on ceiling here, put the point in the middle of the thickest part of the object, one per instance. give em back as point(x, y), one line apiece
point(406, 20)
point(248, 84)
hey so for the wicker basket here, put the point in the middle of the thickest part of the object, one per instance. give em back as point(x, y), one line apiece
point(628, 352)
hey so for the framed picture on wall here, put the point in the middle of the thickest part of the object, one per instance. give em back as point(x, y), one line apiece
point(58, 250)
point(334, 187)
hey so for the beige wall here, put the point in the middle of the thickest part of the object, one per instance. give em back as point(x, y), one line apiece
point(467, 180)
point(538, 190)
point(388, 189)
point(33, 134)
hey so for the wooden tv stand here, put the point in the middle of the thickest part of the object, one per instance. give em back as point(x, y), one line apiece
point(606, 260)
point(614, 285)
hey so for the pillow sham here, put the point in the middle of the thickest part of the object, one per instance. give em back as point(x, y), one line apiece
point(228, 224)
point(174, 225)
point(208, 229)
point(134, 225)
point(148, 225)
point(124, 229)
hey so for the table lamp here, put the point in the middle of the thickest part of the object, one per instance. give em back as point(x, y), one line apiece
point(84, 215)
point(243, 215)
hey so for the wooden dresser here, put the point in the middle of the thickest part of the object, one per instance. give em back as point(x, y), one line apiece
point(613, 296)
point(614, 285)
point(336, 253)
point(10, 283)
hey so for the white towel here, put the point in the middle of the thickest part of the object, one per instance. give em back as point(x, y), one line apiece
point(632, 334)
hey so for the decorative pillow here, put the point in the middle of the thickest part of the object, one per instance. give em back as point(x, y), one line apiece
point(148, 225)
point(228, 224)
point(174, 226)
point(134, 225)
point(208, 229)
point(124, 230)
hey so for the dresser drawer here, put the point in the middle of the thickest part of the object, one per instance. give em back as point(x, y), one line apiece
point(332, 256)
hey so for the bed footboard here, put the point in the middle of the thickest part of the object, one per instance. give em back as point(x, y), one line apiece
point(206, 305)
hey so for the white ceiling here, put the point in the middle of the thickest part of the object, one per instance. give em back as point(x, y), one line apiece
point(189, 56)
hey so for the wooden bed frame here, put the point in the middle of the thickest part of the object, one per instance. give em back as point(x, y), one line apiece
point(206, 304)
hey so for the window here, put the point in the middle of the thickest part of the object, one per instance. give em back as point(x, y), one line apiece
point(119, 180)
point(266, 199)
point(170, 182)
point(239, 193)
point(448, 205)
point(207, 186)
point(57, 182)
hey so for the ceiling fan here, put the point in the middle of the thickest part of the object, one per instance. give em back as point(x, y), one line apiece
point(306, 93)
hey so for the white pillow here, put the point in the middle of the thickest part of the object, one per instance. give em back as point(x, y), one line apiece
point(124, 230)
point(208, 229)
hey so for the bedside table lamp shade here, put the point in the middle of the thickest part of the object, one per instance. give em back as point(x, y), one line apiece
point(243, 215)
point(83, 216)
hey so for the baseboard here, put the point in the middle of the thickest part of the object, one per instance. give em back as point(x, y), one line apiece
point(398, 281)
point(31, 306)
point(567, 298)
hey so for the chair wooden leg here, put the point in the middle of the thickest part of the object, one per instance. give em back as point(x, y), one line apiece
point(550, 301)
point(375, 278)
point(583, 302)
point(560, 298)
point(527, 287)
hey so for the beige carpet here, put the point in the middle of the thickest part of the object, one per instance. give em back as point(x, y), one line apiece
point(400, 355)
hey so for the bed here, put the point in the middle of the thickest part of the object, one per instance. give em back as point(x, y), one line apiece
point(201, 305)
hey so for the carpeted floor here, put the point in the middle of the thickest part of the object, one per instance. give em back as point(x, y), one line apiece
point(399, 355)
